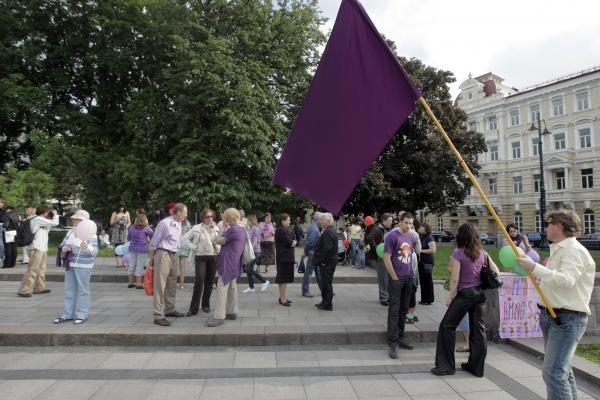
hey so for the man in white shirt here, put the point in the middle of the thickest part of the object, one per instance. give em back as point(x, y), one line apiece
point(567, 282)
point(35, 276)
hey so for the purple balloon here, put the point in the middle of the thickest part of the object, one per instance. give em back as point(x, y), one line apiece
point(533, 255)
point(126, 259)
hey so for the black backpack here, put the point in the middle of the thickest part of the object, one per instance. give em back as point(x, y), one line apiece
point(25, 235)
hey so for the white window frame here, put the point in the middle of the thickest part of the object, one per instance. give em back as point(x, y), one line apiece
point(518, 221)
point(516, 121)
point(515, 150)
point(517, 184)
point(538, 222)
point(560, 181)
point(493, 186)
point(562, 106)
point(492, 126)
point(578, 129)
point(534, 147)
point(440, 223)
point(587, 100)
point(563, 141)
point(537, 178)
point(473, 126)
point(493, 152)
point(539, 111)
point(587, 180)
point(589, 222)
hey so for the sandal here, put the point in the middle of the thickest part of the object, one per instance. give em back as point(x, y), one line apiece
point(60, 320)
point(462, 349)
point(79, 321)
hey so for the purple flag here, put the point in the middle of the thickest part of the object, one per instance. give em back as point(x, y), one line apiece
point(358, 99)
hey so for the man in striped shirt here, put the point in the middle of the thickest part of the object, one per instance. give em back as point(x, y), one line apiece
point(35, 276)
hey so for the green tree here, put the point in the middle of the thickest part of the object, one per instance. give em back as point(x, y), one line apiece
point(28, 186)
point(417, 169)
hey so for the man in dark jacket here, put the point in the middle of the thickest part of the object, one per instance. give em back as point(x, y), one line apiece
point(374, 239)
point(11, 222)
point(326, 258)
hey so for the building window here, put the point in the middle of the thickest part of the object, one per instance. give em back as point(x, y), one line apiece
point(557, 106)
point(492, 123)
point(585, 137)
point(536, 183)
point(560, 141)
point(516, 150)
point(514, 118)
point(494, 153)
point(560, 180)
point(582, 100)
point(534, 112)
point(589, 222)
point(493, 185)
point(519, 221)
point(473, 126)
point(587, 178)
point(535, 150)
point(538, 222)
point(440, 223)
point(517, 184)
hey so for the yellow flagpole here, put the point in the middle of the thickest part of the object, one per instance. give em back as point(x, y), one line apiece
point(464, 165)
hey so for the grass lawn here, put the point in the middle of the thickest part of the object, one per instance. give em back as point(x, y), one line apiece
point(443, 253)
point(56, 237)
point(590, 352)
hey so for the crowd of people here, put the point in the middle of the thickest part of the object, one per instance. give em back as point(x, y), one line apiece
point(402, 256)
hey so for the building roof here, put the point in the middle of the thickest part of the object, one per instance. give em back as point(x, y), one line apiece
point(556, 81)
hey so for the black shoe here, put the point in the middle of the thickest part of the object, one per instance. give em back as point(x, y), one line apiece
point(206, 310)
point(465, 367)
point(22, 294)
point(405, 345)
point(438, 372)
point(393, 352)
point(424, 304)
point(384, 303)
point(319, 304)
point(415, 319)
point(190, 314)
point(175, 314)
point(130, 286)
point(162, 322)
point(44, 291)
point(286, 304)
point(325, 308)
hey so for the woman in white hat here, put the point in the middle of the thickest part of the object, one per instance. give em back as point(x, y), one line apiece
point(79, 256)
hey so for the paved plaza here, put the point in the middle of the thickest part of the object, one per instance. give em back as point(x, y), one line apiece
point(269, 352)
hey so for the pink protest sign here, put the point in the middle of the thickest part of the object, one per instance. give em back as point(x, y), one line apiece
point(519, 315)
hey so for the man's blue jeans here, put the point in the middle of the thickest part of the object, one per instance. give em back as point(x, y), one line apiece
point(308, 270)
point(560, 342)
point(77, 292)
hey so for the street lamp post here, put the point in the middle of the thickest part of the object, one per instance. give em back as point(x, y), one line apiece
point(544, 240)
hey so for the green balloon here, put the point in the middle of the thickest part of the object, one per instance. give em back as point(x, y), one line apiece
point(379, 250)
point(509, 260)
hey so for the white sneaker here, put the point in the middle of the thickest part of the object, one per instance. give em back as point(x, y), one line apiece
point(249, 290)
point(264, 286)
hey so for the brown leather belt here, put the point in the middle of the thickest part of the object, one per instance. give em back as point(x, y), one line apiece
point(562, 311)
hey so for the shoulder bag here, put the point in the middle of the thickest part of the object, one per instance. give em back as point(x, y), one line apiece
point(489, 278)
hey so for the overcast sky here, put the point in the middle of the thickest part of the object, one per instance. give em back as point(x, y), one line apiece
point(524, 41)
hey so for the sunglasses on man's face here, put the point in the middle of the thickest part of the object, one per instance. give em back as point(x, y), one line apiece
point(208, 216)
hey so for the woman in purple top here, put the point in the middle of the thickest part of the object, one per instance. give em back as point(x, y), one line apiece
point(465, 296)
point(138, 235)
point(267, 242)
point(229, 268)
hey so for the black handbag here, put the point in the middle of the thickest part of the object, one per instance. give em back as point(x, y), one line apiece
point(489, 278)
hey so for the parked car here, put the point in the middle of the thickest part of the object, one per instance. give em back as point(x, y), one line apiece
point(442, 236)
point(534, 238)
point(487, 239)
point(590, 241)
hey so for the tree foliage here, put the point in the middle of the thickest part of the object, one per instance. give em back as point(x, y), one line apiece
point(29, 186)
point(152, 101)
point(417, 170)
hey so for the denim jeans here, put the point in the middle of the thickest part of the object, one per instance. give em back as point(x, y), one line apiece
point(309, 267)
point(354, 251)
point(77, 292)
point(560, 342)
point(399, 296)
point(253, 273)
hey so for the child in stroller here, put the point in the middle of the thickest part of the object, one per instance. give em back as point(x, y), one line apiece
point(343, 246)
